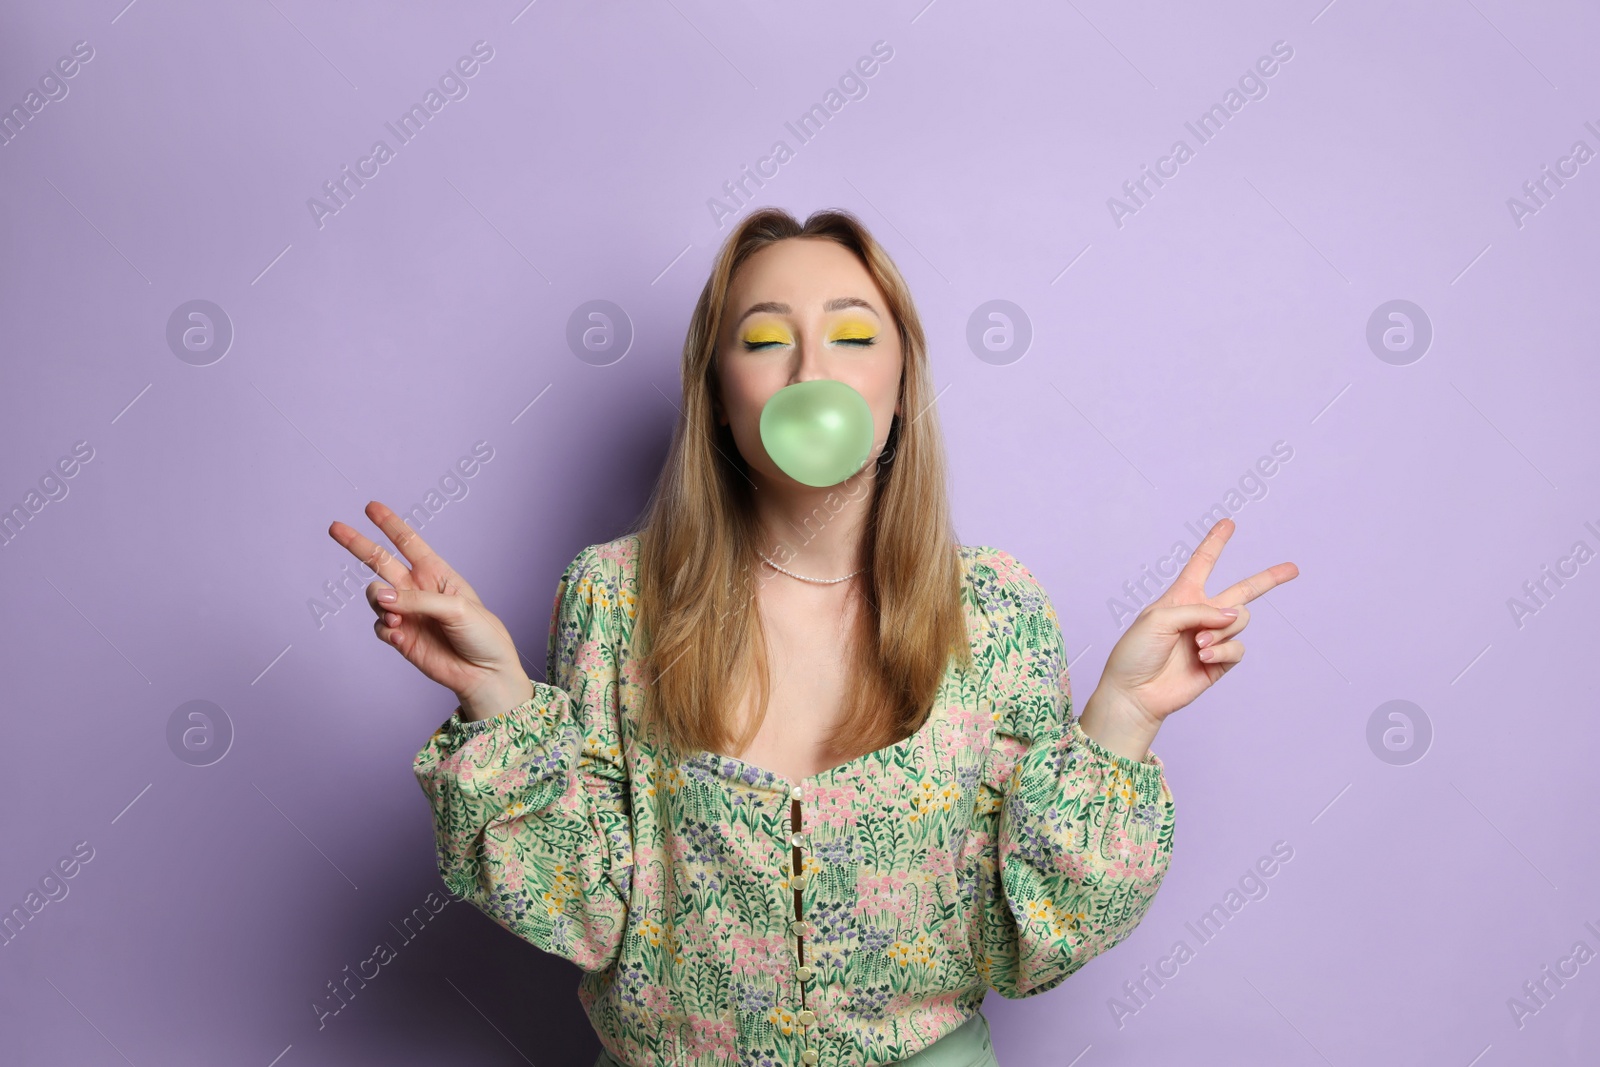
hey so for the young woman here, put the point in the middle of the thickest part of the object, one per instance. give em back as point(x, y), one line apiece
point(804, 781)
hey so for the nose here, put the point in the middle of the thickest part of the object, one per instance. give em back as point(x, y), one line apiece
point(811, 358)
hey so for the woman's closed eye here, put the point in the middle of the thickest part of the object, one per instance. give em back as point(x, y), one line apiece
point(858, 333)
point(759, 337)
point(762, 338)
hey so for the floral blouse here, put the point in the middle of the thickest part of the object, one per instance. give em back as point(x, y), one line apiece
point(722, 914)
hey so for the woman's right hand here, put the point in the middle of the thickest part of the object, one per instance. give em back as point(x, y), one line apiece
point(436, 620)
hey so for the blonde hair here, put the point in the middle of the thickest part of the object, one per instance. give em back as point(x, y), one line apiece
point(698, 630)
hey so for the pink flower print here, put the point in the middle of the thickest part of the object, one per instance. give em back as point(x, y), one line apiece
point(511, 779)
point(1123, 866)
point(675, 850)
point(647, 880)
point(870, 795)
point(884, 895)
point(831, 806)
point(456, 764)
point(1009, 748)
point(971, 722)
point(632, 672)
point(941, 1007)
point(1010, 672)
point(713, 1035)
point(590, 657)
point(657, 999)
point(954, 742)
point(511, 876)
point(1072, 863)
point(759, 955)
point(721, 927)
point(745, 949)
point(940, 863)
point(692, 928)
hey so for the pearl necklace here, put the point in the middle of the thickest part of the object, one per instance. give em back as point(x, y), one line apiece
point(803, 578)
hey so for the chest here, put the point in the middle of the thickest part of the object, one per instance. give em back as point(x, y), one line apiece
point(808, 647)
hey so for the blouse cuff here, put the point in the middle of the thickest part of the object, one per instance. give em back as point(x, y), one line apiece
point(1147, 770)
point(525, 715)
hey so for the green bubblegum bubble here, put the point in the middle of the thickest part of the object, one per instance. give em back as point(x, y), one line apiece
point(819, 432)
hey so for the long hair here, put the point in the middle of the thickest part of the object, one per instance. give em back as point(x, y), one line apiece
point(699, 636)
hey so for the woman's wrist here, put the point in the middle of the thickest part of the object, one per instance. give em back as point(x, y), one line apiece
point(498, 695)
point(1118, 723)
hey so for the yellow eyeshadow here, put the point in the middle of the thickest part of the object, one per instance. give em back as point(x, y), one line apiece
point(766, 334)
point(851, 331)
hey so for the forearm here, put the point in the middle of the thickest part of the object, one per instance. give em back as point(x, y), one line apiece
point(1115, 722)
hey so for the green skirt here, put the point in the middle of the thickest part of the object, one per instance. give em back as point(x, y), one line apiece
point(967, 1045)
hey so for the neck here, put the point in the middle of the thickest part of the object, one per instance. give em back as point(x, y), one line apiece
point(814, 532)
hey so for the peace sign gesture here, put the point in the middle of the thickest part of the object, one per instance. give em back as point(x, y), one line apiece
point(1157, 667)
point(435, 619)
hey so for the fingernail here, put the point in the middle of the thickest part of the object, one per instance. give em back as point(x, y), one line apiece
point(387, 595)
point(1232, 613)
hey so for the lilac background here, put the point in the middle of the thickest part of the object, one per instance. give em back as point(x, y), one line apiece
point(1168, 355)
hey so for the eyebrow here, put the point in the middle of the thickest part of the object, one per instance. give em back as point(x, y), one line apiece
point(838, 303)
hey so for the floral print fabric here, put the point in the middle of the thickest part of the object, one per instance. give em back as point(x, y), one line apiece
point(997, 847)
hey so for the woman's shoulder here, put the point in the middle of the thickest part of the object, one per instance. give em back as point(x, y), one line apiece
point(988, 566)
point(619, 554)
point(1001, 593)
point(607, 567)
point(1018, 641)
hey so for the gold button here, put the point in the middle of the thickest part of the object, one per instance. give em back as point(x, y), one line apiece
point(794, 793)
point(797, 882)
point(807, 1017)
point(796, 840)
point(805, 974)
point(798, 927)
point(809, 1056)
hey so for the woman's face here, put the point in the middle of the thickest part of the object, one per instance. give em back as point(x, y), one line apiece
point(802, 309)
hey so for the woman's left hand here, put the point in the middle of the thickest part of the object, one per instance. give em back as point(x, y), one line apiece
point(1177, 646)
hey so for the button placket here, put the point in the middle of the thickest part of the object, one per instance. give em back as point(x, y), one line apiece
point(798, 925)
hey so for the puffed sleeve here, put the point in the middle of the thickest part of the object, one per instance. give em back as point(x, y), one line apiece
point(1083, 836)
point(531, 807)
